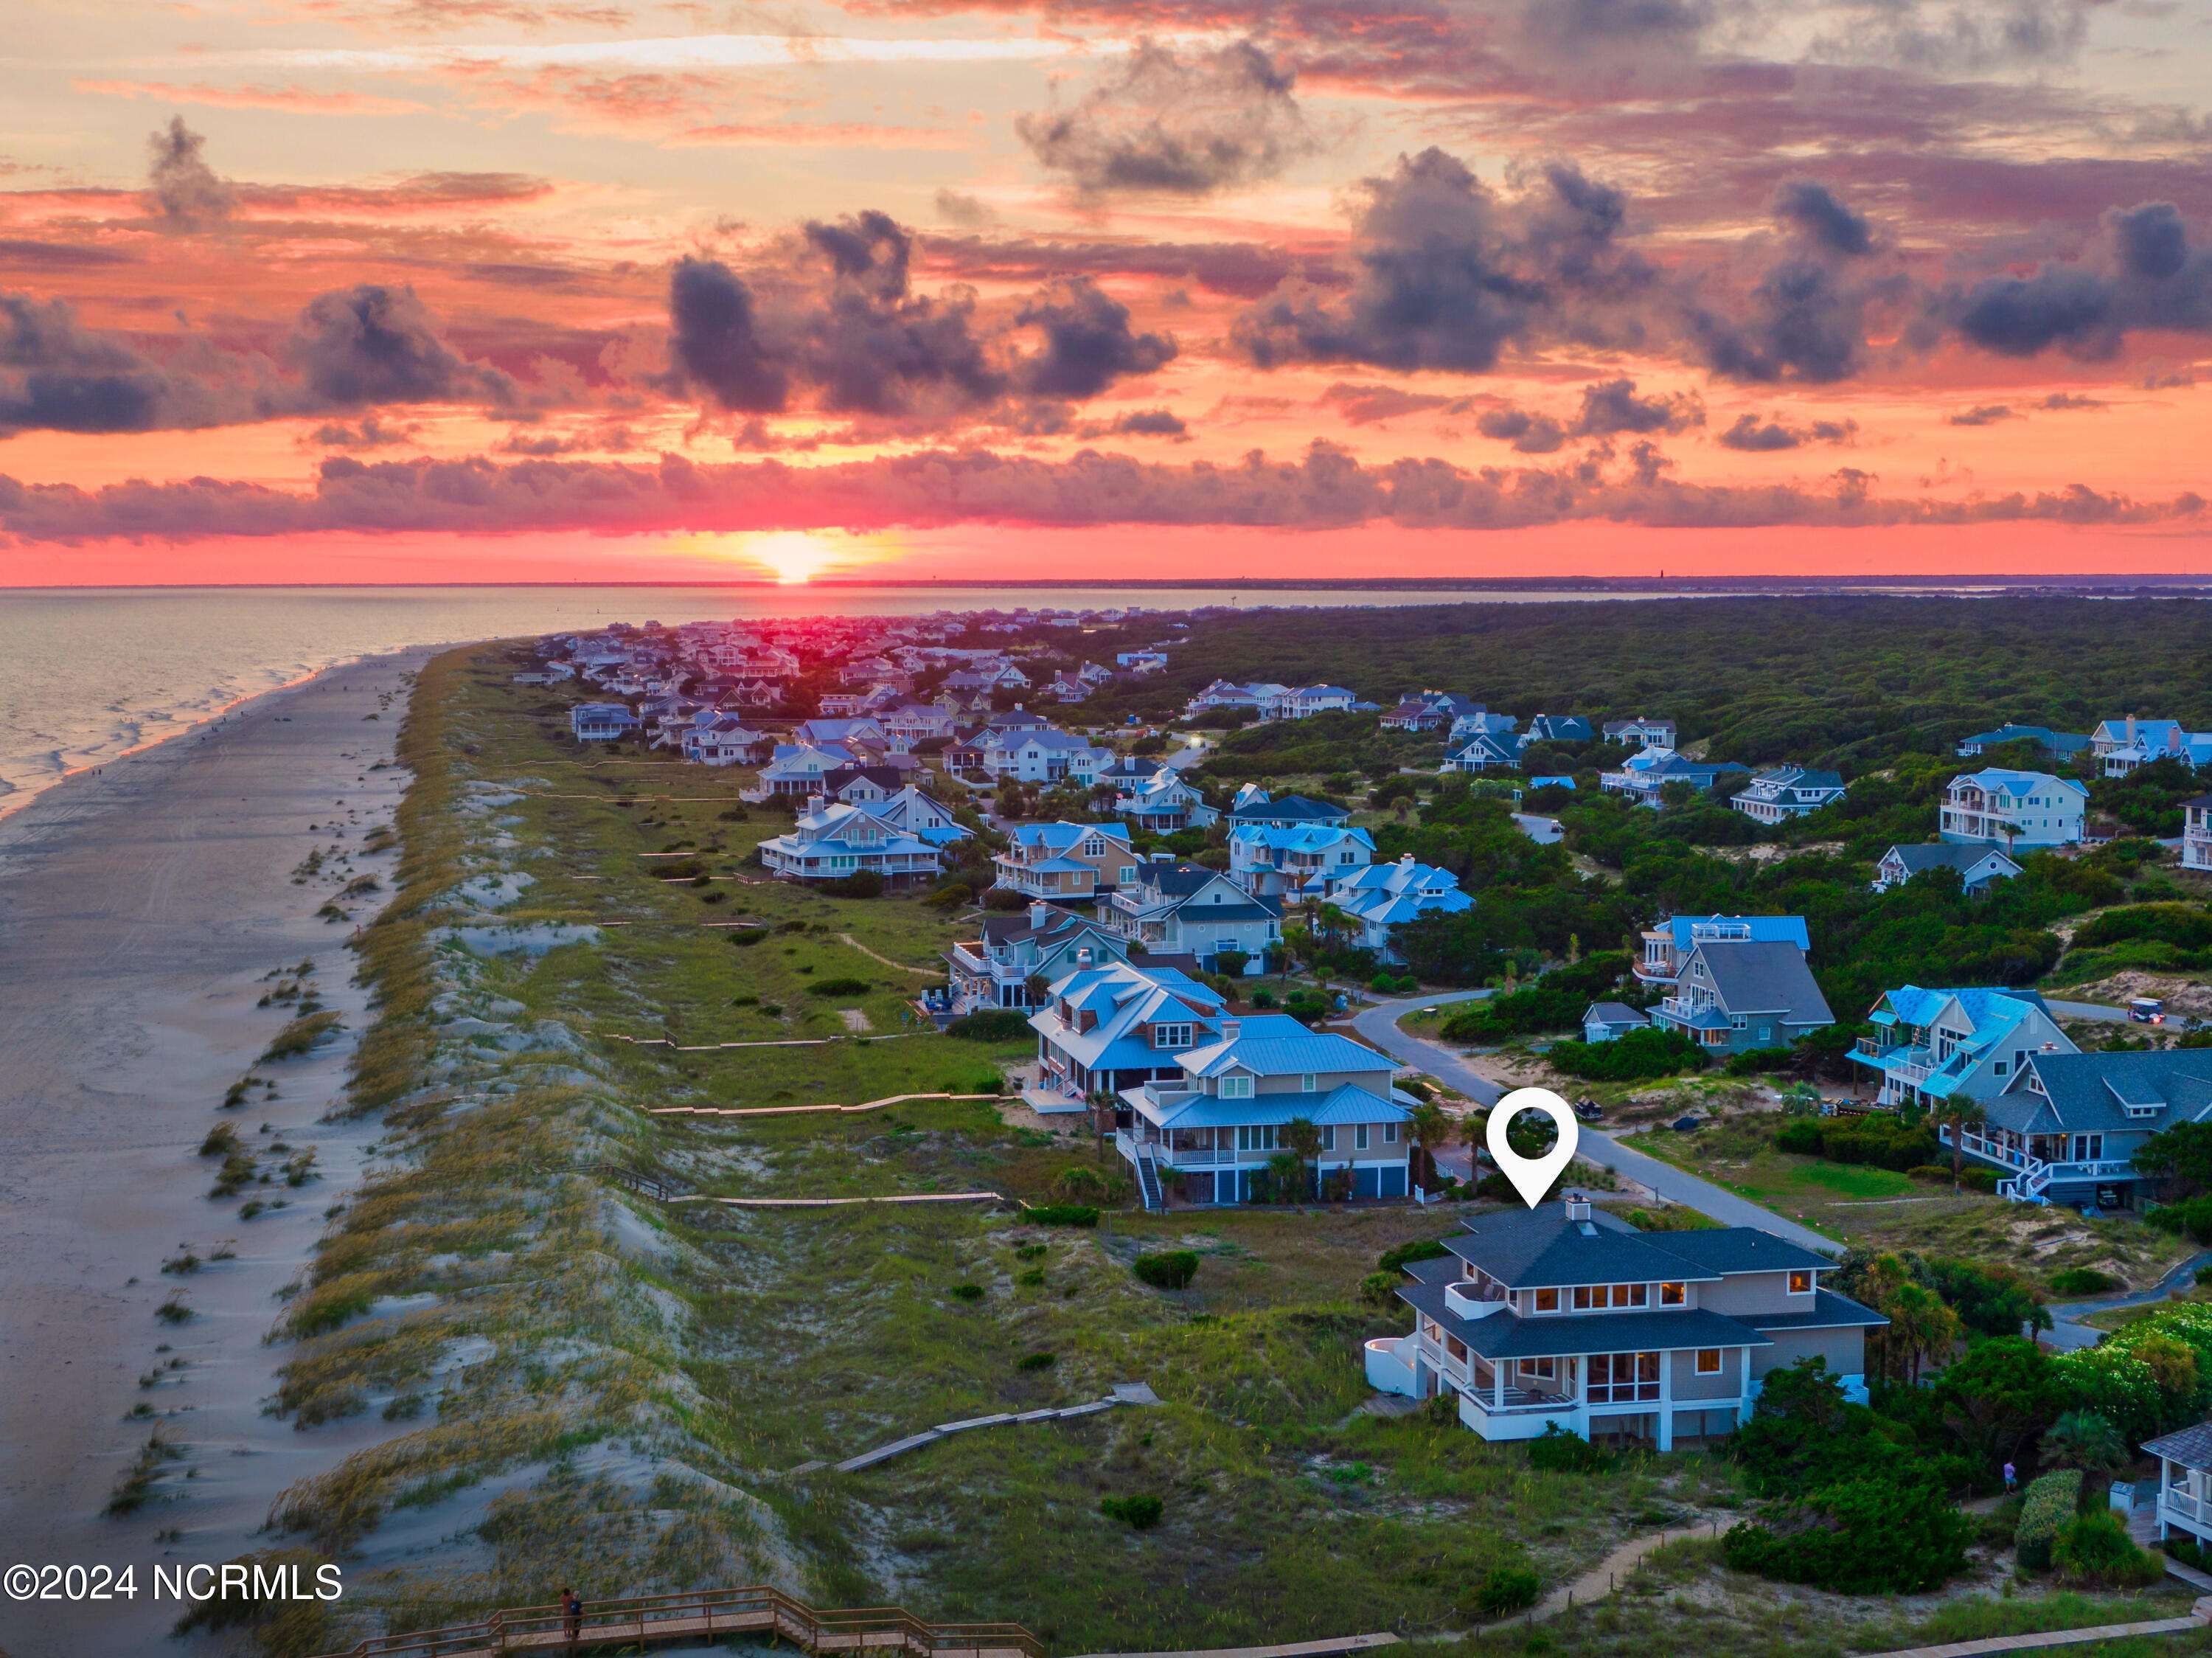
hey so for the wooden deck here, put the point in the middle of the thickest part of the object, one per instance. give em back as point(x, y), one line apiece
point(659, 1620)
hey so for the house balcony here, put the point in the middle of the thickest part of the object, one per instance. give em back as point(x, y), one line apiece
point(1899, 1061)
point(2032, 1176)
point(2197, 849)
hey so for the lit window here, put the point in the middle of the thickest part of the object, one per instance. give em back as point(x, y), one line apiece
point(1673, 1294)
point(1547, 1301)
point(1800, 1282)
point(1708, 1361)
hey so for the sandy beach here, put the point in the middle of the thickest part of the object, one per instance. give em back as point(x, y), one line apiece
point(145, 912)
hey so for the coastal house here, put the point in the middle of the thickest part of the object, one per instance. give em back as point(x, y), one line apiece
point(2057, 747)
point(1224, 694)
point(1046, 756)
point(601, 722)
point(1209, 1130)
point(718, 739)
point(1563, 1316)
point(1980, 865)
point(1110, 1024)
point(2185, 1483)
point(1163, 803)
point(1788, 791)
point(2067, 1127)
point(1304, 702)
point(2197, 833)
point(1067, 863)
point(1255, 805)
point(1001, 967)
point(1644, 775)
point(1609, 1022)
point(1483, 750)
point(1181, 908)
point(1928, 1045)
point(1378, 898)
point(1269, 862)
point(2013, 809)
point(832, 842)
point(2121, 746)
point(1668, 945)
point(1644, 733)
point(1559, 729)
point(798, 769)
point(1429, 710)
point(1734, 995)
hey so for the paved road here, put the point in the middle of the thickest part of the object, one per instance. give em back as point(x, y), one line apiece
point(1378, 1024)
point(2066, 1334)
point(2087, 1010)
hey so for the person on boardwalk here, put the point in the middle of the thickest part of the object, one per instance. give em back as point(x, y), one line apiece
point(572, 1615)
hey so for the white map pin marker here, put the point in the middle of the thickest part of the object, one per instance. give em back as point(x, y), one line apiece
point(1532, 1177)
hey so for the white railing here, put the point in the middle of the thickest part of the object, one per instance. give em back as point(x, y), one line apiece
point(2181, 1502)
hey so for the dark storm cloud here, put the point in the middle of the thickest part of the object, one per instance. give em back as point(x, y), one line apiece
point(1613, 406)
point(1814, 208)
point(1805, 318)
point(875, 347)
point(2146, 275)
point(714, 343)
point(1089, 344)
point(371, 343)
point(1530, 433)
point(1175, 123)
point(180, 186)
point(1758, 436)
point(1446, 276)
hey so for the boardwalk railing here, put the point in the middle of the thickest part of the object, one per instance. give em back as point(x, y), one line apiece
point(866, 1632)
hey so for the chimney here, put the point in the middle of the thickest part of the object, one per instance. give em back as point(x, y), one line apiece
point(1578, 1208)
point(816, 803)
point(2131, 731)
point(1231, 1029)
point(1040, 912)
point(1405, 861)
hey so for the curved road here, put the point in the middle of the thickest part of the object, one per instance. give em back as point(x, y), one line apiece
point(1378, 1024)
point(2066, 1334)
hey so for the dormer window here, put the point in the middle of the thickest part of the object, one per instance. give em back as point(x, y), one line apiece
point(1171, 1036)
point(1800, 1282)
point(1235, 1087)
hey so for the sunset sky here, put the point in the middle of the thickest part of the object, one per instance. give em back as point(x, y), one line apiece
point(406, 291)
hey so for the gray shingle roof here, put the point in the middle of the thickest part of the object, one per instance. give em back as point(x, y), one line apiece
point(1829, 1311)
point(2191, 1447)
point(1753, 976)
point(1504, 1336)
point(1537, 1248)
point(2087, 1092)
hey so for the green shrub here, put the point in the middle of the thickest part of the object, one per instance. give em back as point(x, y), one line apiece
point(1880, 1534)
point(1507, 1589)
point(2043, 1513)
point(1759, 1062)
point(2082, 1280)
point(1062, 1214)
point(1167, 1268)
point(1558, 1450)
point(990, 1025)
point(1399, 1256)
point(1138, 1513)
point(1035, 1361)
point(1801, 1135)
point(1380, 1288)
point(839, 987)
point(1637, 1056)
point(2094, 1550)
point(968, 1292)
point(1882, 1142)
point(861, 883)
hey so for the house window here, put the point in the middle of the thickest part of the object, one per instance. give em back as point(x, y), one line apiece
point(1547, 1369)
point(1235, 1087)
point(1328, 1138)
point(1586, 1298)
point(1708, 1361)
point(1255, 1136)
point(1389, 1134)
point(1306, 1082)
point(1171, 1036)
point(1359, 1137)
point(1800, 1282)
point(1673, 1294)
point(1547, 1301)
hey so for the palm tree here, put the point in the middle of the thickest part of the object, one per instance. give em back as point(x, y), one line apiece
point(1961, 1113)
point(1921, 1328)
point(2084, 1440)
point(1303, 1139)
point(1430, 1128)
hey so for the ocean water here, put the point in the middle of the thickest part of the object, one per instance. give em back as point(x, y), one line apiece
point(87, 675)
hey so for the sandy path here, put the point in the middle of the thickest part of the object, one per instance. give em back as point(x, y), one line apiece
point(140, 910)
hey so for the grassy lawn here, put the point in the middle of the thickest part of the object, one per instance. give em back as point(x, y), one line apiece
point(1881, 1208)
point(586, 1386)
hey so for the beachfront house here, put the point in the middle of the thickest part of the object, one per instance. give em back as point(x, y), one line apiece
point(2068, 1127)
point(798, 769)
point(1980, 865)
point(2014, 809)
point(1181, 908)
point(1378, 898)
point(1484, 749)
point(1559, 729)
point(601, 722)
point(1666, 946)
point(2121, 746)
point(1255, 805)
point(2185, 1483)
point(1563, 1316)
point(718, 739)
point(1224, 696)
point(833, 842)
point(923, 816)
point(1644, 733)
point(1789, 791)
point(1067, 863)
point(1162, 804)
point(1609, 1022)
point(1109, 1024)
point(1928, 1045)
point(1013, 953)
point(1209, 1132)
point(2197, 833)
point(1734, 995)
point(1269, 862)
point(1644, 775)
point(1304, 702)
point(2057, 747)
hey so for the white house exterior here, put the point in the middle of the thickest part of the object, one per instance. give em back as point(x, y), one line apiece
point(1979, 864)
point(996, 970)
point(1181, 909)
point(1270, 862)
point(2016, 809)
point(1220, 1119)
point(722, 739)
point(1304, 702)
point(830, 843)
point(1668, 945)
point(1563, 1316)
point(2197, 833)
point(799, 768)
point(1046, 757)
point(2185, 1483)
point(1645, 733)
point(1789, 792)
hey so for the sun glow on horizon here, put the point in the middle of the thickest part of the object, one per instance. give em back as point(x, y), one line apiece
point(791, 558)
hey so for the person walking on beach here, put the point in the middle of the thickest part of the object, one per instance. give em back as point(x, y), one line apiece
point(572, 1615)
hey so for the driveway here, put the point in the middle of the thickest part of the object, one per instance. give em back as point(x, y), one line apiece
point(2066, 1335)
point(1378, 1024)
